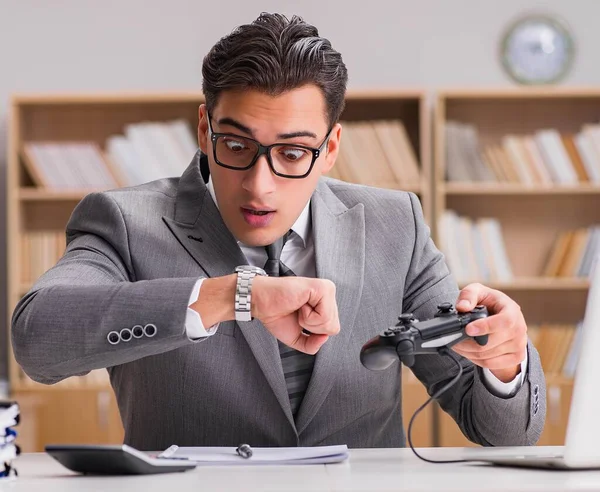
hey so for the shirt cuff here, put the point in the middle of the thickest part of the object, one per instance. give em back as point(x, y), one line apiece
point(501, 389)
point(194, 327)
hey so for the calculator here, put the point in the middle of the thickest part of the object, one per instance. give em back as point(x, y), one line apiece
point(114, 460)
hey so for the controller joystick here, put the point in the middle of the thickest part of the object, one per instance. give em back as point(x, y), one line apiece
point(410, 337)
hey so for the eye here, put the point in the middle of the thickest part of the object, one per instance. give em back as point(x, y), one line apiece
point(293, 154)
point(235, 145)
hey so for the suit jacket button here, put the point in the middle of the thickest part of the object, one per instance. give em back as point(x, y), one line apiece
point(125, 334)
point(138, 331)
point(150, 330)
point(113, 337)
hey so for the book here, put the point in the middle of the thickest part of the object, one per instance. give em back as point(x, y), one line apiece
point(67, 166)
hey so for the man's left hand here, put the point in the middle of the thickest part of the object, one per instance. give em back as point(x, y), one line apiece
point(505, 327)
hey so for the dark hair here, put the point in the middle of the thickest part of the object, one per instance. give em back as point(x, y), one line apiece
point(274, 54)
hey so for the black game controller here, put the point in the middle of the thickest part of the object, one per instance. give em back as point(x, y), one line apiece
point(412, 337)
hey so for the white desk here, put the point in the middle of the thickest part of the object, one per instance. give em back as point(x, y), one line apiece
point(367, 470)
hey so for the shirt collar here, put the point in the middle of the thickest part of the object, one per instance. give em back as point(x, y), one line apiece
point(301, 227)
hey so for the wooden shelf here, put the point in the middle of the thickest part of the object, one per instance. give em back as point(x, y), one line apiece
point(538, 284)
point(486, 189)
point(37, 194)
point(531, 218)
point(103, 98)
point(535, 93)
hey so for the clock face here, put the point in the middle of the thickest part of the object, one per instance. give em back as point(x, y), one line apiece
point(537, 50)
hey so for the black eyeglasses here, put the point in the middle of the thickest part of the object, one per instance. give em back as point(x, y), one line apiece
point(285, 160)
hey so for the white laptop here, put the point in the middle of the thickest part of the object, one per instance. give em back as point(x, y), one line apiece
point(582, 443)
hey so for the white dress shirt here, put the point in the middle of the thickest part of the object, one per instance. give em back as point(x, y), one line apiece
point(298, 254)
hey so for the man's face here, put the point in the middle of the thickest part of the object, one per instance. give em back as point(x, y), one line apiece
point(258, 206)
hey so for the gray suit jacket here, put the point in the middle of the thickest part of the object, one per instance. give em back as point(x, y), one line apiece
point(133, 257)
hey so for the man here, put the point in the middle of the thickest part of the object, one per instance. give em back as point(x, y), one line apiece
point(147, 285)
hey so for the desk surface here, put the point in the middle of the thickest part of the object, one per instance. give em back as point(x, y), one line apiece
point(366, 470)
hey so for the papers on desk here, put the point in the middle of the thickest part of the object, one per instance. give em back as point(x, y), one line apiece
point(260, 456)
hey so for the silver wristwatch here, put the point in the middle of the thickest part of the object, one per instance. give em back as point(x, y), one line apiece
point(243, 291)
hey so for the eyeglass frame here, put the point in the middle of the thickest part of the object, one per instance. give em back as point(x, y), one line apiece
point(265, 150)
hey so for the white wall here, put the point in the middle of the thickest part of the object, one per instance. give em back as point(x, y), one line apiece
point(108, 45)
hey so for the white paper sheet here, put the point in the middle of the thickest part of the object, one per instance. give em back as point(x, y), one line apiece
point(260, 456)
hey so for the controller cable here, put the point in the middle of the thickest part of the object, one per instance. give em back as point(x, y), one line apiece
point(443, 351)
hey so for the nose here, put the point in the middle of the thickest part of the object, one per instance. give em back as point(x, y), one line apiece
point(259, 179)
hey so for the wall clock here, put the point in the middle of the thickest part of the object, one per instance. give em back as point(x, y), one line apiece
point(537, 49)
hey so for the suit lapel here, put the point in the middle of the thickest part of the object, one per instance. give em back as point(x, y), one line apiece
point(199, 228)
point(339, 235)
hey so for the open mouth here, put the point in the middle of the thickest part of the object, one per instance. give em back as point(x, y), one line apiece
point(257, 218)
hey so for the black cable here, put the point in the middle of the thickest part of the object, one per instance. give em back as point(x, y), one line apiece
point(443, 351)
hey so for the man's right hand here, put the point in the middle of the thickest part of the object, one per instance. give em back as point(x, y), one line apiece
point(286, 305)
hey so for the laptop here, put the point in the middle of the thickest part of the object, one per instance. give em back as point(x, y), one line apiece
point(582, 443)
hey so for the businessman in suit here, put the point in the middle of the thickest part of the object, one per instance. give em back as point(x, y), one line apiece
point(230, 304)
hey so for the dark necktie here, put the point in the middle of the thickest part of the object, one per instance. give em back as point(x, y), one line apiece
point(297, 366)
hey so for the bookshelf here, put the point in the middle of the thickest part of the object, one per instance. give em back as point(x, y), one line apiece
point(531, 214)
point(63, 118)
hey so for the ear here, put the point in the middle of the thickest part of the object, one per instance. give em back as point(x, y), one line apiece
point(203, 128)
point(332, 148)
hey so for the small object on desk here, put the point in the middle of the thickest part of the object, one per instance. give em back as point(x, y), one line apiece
point(244, 450)
point(114, 460)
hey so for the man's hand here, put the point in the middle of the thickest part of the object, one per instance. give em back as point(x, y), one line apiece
point(286, 305)
point(505, 325)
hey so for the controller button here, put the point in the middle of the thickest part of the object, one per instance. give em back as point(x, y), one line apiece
point(445, 307)
point(406, 318)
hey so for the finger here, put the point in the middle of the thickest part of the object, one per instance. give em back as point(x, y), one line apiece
point(505, 321)
point(485, 353)
point(470, 296)
point(474, 294)
point(310, 344)
point(321, 316)
point(502, 362)
point(314, 321)
point(310, 315)
point(470, 346)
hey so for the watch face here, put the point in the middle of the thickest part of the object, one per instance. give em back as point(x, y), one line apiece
point(537, 50)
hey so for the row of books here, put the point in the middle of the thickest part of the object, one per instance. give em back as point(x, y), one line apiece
point(377, 153)
point(574, 253)
point(559, 347)
point(68, 165)
point(544, 158)
point(40, 250)
point(372, 152)
point(474, 248)
point(145, 152)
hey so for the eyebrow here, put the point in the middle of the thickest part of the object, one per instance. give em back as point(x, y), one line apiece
point(248, 131)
